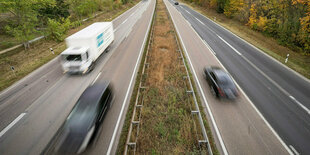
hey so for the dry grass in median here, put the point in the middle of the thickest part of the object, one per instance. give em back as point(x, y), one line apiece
point(297, 61)
point(27, 61)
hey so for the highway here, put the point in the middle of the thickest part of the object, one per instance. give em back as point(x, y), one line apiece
point(32, 110)
point(281, 96)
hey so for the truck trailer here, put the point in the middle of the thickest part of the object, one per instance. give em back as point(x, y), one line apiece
point(84, 47)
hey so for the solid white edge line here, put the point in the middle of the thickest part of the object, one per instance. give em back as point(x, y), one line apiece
point(296, 153)
point(229, 45)
point(296, 73)
point(301, 105)
point(12, 124)
point(202, 92)
point(128, 90)
point(187, 22)
point(267, 123)
point(205, 42)
point(96, 78)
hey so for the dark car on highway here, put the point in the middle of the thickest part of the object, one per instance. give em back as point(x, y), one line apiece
point(83, 121)
point(176, 3)
point(220, 82)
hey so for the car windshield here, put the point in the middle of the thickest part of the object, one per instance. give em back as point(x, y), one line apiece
point(81, 115)
point(76, 57)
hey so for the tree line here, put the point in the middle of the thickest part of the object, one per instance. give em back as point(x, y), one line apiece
point(52, 18)
point(288, 21)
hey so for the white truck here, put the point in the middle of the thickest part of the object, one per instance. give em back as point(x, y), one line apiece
point(85, 46)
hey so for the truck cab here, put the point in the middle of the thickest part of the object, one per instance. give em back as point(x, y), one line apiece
point(76, 60)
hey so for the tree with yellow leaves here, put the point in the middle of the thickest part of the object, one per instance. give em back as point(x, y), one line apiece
point(253, 17)
point(233, 7)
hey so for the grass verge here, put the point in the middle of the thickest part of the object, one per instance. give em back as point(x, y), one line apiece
point(26, 61)
point(297, 61)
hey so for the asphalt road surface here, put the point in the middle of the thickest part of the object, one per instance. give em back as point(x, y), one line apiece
point(281, 95)
point(33, 109)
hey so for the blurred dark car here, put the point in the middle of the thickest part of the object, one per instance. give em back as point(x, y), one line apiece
point(83, 121)
point(220, 82)
point(176, 3)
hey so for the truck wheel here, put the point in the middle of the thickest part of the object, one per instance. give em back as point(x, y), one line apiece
point(91, 67)
point(108, 49)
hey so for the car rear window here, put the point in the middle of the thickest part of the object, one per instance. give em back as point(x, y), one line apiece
point(224, 79)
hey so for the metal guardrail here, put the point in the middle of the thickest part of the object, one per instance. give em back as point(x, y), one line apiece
point(131, 140)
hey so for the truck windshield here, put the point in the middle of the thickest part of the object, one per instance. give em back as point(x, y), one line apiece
point(73, 57)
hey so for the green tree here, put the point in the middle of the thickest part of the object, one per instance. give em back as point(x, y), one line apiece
point(56, 29)
point(83, 8)
point(23, 24)
point(221, 5)
point(60, 10)
point(213, 4)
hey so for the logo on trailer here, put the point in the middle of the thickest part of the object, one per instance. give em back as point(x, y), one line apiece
point(99, 39)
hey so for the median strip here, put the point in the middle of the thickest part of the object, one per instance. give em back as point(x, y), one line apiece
point(164, 116)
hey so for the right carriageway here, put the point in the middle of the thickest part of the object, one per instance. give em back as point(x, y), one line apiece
point(260, 121)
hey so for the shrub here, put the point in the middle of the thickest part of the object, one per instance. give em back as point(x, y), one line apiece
point(56, 29)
